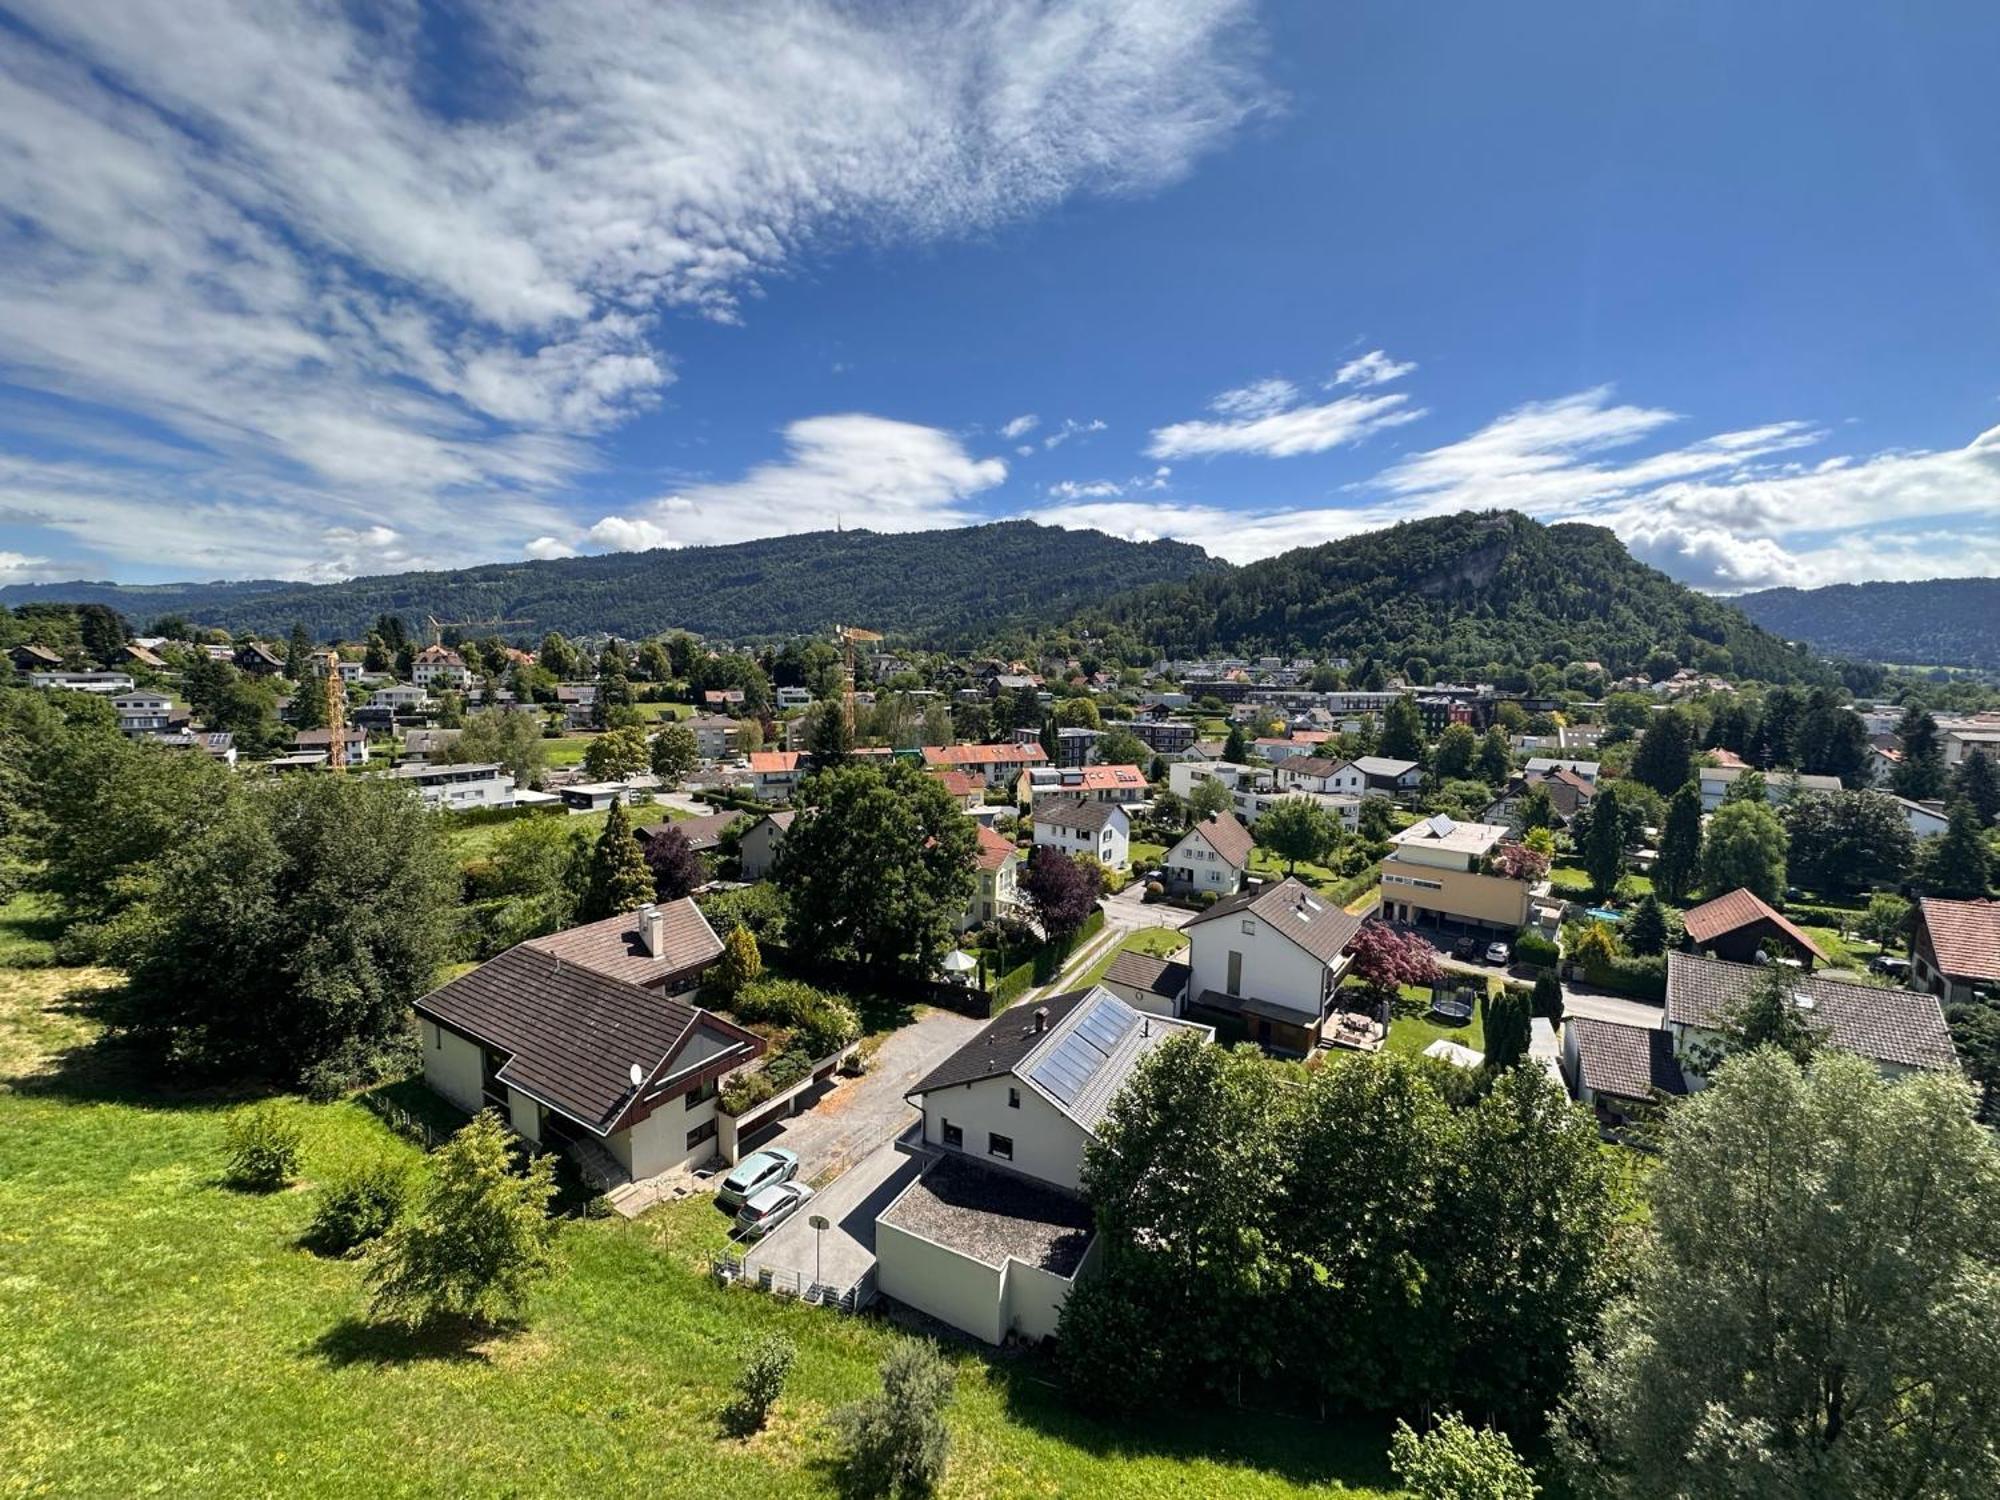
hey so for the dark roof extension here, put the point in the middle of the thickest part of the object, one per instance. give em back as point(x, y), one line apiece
point(1005, 1040)
point(1627, 1062)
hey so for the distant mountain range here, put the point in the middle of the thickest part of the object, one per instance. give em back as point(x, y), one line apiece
point(1942, 622)
point(1466, 593)
point(942, 586)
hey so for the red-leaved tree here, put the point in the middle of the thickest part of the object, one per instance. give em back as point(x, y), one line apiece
point(677, 869)
point(1060, 891)
point(1519, 862)
point(1384, 959)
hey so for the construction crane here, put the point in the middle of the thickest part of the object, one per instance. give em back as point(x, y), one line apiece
point(847, 635)
point(336, 711)
point(439, 627)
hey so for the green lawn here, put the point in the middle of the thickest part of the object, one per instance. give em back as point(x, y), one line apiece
point(567, 751)
point(1411, 1030)
point(1146, 856)
point(475, 841)
point(166, 1334)
point(28, 931)
point(1161, 942)
point(1572, 881)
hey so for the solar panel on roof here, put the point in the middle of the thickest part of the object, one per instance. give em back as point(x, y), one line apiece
point(1107, 1023)
point(1066, 1071)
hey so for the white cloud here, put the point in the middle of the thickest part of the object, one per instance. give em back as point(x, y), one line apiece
point(247, 224)
point(1021, 426)
point(1260, 398)
point(1105, 489)
point(1069, 429)
point(543, 548)
point(851, 470)
point(1372, 368)
point(1241, 536)
point(1288, 432)
point(18, 567)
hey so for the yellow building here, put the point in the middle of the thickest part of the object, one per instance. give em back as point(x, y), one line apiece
point(1436, 875)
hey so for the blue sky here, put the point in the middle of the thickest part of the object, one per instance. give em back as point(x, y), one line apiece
point(308, 293)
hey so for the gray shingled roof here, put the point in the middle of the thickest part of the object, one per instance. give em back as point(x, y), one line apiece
point(1904, 1027)
point(1629, 1062)
point(1004, 1041)
point(1317, 925)
point(571, 1034)
point(702, 833)
point(1148, 972)
point(1087, 815)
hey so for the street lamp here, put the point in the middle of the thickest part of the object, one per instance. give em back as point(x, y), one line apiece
point(820, 1227)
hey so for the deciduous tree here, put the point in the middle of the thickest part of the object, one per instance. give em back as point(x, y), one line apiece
point(1297, 828)
point(1745, 846)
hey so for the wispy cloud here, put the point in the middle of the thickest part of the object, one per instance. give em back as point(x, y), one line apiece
point(1372, 368)
point(1071, 428)
point(850, 470)
point(1252, 424)
point(1021, 426)
point(250, 226)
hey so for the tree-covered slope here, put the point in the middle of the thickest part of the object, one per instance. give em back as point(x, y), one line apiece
point(1941, 622)
point(935, 585)
point(1462, 592)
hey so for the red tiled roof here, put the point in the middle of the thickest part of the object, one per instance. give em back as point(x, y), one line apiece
point(1965, 936)
point(994, 849)
point(960, 783)
point(770, 761)
point(1710, 920)
point(983, 755)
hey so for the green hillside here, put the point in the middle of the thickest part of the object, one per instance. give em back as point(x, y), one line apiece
point(1940, 622)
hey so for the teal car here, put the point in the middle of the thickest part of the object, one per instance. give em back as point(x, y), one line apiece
point(757, 1171)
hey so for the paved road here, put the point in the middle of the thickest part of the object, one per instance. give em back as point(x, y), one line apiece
point(853, 1202)
point(849, 1117)
point(1598, 1005)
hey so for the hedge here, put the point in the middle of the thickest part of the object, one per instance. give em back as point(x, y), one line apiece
point(1012, 986)
point(1532, 948)
point(480, 817)
point(1642, 978)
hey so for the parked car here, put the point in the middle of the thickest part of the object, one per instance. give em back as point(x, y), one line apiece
point(1891, 966)
point(1466, 948)
point(757, 1171)
point(769, 1207)
point(1498, 953)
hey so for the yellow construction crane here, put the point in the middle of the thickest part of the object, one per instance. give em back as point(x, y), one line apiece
point(336, 711)
point(847, 635)
point(439, 627)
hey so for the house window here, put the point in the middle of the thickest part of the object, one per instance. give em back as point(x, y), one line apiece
point(701, 1094)
point(1013, 1098)
point(705, 1131)
point(1001, 1146)
point(437, 1036)
point(954, 1137)
point(1249, 928)
point(1235, 984)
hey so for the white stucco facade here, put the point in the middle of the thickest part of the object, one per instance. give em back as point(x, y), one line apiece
point(1045, 1143)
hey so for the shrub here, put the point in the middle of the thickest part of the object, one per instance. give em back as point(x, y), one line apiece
point(745, 1091)
point(740, 964)
point(787, 1068)
point(1454, 1461)
point(895, 1443)
point(760, 1385)
point(1155, 890)
point(359, 1205)
point(820, 1022)
point(1532, 948)
point(265, 1145)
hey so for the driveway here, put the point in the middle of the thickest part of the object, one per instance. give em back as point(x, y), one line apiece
point(852, 1202)
point(848, 1118)
point(1128, 911)
point(1579, 1000)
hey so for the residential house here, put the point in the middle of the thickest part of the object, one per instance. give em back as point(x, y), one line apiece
point(354, 744)
point(1924, 818)
point(1279, 749)
point(99, 684)
point(757, 849)
point(1164, 736)
point(216, 744)
point(136, 655)
point(440, 668)
point(992, 1234)
point(1077, 826)
point(1955, 951)
point(996, 868)
point(1900, 1031)
point(1569, 793)
point(1214, 855)
point(774, 774)
point(143, 713)
point(426, 744)
point(793, 697)
point(29, 657)
point(578, 702)
point(476, 784)
point(1001, 765)
point(1075, 745)
point(1779, 786)
point(703, 834)
point(1268, 963)
point(1316, 773)
point(714, 735)
point(1739, 925)
point(1150, 983)
point(1961, 740)
point(1617, 1070)
point(588, 1040)
point(593, 796)
point(724, 700)
point(1387, 777)
point(259, 660)
point(966, 788)
point(1125, 784)
point(1436, 874)
point(401, 698)
point(1583, 770)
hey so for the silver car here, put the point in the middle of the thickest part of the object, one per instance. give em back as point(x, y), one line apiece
point(769, 1207)
point(759, 1170)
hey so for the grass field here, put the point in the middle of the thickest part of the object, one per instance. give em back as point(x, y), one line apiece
point(475, 841)
point(166, 1334)
point(1411, 1033)
point(1161, 942)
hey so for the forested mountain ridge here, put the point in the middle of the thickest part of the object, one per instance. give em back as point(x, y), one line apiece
point(1939, 622)
point(1462, 592)
point(947, 587)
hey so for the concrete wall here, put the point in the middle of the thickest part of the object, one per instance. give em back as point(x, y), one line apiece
point(452, 1067)
point(921, 1274)
point(1048, 1145)
point(1034, 1298)
point(1274, 967)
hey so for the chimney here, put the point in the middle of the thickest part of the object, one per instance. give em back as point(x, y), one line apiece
point(1041, 1018)
point(652, 929)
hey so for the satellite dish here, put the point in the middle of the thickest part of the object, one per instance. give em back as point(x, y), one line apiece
point(638, 1076)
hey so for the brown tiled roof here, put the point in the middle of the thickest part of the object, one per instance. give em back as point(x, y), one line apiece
point(1004, 1042)
point(573, 1035)
point(1149, 973)
point(983, 755)
point(1629, 1062)
point(1317, 925)
point(960, 783)
point(995, 849)
point(702, 833)
point(1740, 908)
point(1894, 1026)
point(1312, 765)
point(1965, 936)
point(1227, 836)
point(613, 947)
